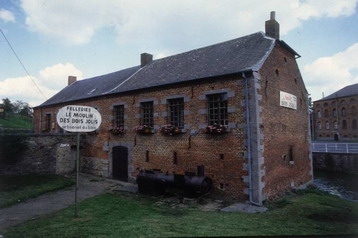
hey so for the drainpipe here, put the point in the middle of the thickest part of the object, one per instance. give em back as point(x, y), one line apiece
point(248, 132)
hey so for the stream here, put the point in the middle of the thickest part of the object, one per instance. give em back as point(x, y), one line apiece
point(340, 184)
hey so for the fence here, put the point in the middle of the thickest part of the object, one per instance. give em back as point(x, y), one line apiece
point(340, 148)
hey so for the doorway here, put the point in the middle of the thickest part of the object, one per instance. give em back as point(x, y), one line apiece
point(120, 163)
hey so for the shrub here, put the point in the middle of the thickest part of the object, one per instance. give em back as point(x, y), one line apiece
point(11, 148)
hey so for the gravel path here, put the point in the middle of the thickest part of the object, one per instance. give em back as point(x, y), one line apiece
point(89, 186)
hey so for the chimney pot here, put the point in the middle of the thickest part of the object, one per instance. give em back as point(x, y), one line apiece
point(71, 79)
point(272, 15)
point(272, 27)
point(145, 59)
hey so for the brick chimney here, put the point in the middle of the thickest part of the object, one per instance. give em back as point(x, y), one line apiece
point(71, 79)
point(145, 59)
point(272, 28)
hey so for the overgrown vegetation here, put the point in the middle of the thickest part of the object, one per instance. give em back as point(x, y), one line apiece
point(123, 215)
point(15, 115)
point(14, 189)
point(12, 147)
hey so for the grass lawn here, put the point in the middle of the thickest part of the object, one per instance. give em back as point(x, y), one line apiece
point(16, 121)
point(14, 189)
point(122, 215)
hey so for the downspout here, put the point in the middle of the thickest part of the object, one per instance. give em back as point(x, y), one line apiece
point(248, 132)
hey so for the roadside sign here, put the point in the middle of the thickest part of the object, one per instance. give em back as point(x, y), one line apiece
point(74, 118)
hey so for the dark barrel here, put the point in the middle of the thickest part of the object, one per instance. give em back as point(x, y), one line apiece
point(150, 181)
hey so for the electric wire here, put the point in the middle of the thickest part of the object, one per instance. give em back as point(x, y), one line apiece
point(23, 66)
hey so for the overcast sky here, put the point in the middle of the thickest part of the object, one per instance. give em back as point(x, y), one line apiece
point(87, 38)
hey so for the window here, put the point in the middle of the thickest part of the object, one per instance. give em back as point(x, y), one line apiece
point(335, 125)
point(327, 125)
point(146, 113)
point(354, 111)
point(176, 112)
point(319, 114)
point(343, 112)
point(354, 124)
point(217, 109)
point(47, 122)
point(118, 112)
point(319, 126)
point(344, 124)
point(334, 112)
point(326, 114)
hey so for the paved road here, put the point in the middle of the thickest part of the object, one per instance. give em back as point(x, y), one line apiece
point(89, 186)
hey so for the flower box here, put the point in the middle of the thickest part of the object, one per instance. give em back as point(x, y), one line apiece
point(170, 130)
point(144, 130)
point(216, 129)
point(118, 130)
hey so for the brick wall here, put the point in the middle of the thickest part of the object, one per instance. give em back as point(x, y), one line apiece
point(334, 119)
point(222, 156)
point(287, 157)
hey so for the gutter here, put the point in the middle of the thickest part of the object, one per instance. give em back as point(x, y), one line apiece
point(248, 132)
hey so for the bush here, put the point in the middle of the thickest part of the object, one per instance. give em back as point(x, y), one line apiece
point(11, 148)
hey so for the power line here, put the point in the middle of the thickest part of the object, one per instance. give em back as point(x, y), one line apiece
point(23, 66)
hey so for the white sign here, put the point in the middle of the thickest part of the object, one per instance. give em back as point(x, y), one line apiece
point(74, 118)
point(288, 100)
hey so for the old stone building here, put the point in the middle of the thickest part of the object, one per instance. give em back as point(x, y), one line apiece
point(236, 111)
point(336, 116)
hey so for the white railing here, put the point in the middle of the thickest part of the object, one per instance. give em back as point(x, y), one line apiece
point(341, 148)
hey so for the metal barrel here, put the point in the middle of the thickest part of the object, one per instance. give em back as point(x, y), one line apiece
point(150, 181)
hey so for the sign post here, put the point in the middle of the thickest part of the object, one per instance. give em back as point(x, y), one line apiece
point(75, 118)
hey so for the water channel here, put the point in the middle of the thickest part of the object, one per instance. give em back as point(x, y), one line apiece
point(340, 184)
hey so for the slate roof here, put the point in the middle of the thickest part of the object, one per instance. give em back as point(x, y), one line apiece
point(347, 91)
point(239, 55)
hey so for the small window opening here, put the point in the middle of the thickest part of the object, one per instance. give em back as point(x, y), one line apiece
point(175, 157)
point(147, 156)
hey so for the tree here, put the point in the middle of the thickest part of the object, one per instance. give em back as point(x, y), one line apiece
point(22, 108)
point(8, 107)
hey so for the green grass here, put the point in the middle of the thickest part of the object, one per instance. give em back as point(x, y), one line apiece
point(14, 189)
point(123, 215)
point(16, 121)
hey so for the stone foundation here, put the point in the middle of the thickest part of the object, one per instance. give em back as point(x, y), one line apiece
point(347, 163)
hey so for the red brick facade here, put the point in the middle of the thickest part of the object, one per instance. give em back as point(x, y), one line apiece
point(279, 137)
point(336, 119)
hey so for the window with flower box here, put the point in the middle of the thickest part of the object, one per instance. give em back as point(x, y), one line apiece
point(118, 112)
point(176, 112)
point(146, 113)
point(118, 120)
point(217, 109)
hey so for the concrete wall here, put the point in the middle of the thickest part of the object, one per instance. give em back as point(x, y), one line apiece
point(48, 154)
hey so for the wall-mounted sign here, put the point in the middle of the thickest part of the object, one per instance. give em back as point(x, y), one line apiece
point(288, 100)
point(75, 118)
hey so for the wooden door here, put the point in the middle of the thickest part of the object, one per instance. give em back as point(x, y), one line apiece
point(120, 163)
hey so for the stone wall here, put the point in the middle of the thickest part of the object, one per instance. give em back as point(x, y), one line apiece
point(347, 163)
point(46, 154)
